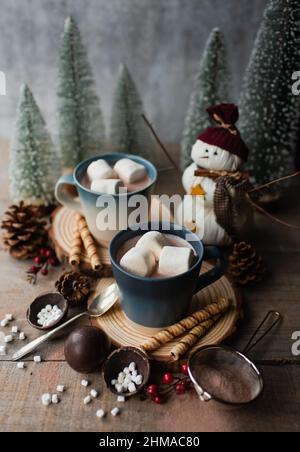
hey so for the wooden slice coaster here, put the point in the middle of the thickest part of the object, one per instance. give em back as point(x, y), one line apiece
point(124, 332)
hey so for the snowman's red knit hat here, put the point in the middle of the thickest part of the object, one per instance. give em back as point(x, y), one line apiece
point(225, 135)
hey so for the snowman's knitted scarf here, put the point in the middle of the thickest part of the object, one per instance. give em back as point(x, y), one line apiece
point(230, 195)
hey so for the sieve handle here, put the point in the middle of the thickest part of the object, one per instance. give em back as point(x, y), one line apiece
point(256, 338)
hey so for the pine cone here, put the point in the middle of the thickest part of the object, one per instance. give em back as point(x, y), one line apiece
point(25, 231)
point(74, 286)
point(245, 266)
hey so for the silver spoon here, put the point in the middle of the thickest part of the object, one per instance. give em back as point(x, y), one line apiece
point(101, 304)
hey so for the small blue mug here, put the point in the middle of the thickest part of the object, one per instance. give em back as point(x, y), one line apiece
point(161, 302)
point(88, 202)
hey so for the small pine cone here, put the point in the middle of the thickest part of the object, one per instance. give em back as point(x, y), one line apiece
point(24, 230)
point(74, 286)
point(245, 266)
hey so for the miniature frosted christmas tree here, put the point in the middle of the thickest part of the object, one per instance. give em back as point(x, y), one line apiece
point(81, 129)
point(211, 87)
point(34, 164)
point(128, 131)
point(269, 112)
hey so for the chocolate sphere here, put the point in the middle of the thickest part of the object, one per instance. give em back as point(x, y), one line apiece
point(86, 348)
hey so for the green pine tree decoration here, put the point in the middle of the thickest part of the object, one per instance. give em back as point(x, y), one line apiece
point(211, 87)
point(128, 131)
point(269, 112)
point(80, 121)
point(34, 164)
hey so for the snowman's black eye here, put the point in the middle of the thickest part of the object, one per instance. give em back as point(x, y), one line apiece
point(216, 153)
point(207, 151)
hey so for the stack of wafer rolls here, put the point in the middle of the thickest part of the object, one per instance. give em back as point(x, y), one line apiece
point(174, 331)
point(76, 248)
point(83, 238)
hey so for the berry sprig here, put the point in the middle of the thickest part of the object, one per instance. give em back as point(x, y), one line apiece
point(170, 384)
point(44, 259)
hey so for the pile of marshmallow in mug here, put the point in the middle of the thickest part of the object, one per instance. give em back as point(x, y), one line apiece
point(105, 179)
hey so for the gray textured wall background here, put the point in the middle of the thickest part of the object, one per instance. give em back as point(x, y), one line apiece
point(160, 40)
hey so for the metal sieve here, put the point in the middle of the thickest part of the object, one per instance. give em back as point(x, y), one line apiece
point(226, 375)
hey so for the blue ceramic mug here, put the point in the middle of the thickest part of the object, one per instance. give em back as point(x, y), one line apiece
point(161, 302)
point(91, 204)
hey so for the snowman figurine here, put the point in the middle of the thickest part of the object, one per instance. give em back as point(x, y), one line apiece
point(215, 176)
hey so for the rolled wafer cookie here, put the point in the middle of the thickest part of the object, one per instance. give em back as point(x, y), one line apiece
point(170, 333)
point(192, 337)
point(88, 243)
point(76, 247)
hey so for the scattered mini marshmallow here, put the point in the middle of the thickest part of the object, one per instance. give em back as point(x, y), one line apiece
point(113, 382)
point(94, 393)
point(46, 399)
point(153, 241)
point(100, 169)
point(121, 399)
point(3, 349)
point(85, 383)
point(130, 171)
point(21, 365)
point(115, 411)
point(4, 323)
point(132, 367)
point(132, 387)
point(54, 399)
point(8, 339)
point(9, 317)
point(138, 261)
point(22, 336)
point(107, 186)
point(87, 400)
point(14, 329)
point(175, 260)
point(37, 359)
point(49, 315)
point(60, 388)
point(100, 413)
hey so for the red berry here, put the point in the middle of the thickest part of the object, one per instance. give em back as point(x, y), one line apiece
point(44, 272)
point(168, 378)
point(184, 369)
point(48, 253)
point(33, 270)
point(180, 388)
point(157, 399)
point(152, 390)
point(53, 261)
point(38, 260)
point(42, 251)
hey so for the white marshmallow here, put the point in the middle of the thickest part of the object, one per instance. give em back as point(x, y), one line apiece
point(138, 261)
point(153, 241)
point(107, 186)
point(121, 377)
point(100, 169)
point(132, 367)
point(2, 350)
point(131, 387)
point(8, 339)
point(113, 382)
point(54, 399)
point(121, 399)
point(22, 336)
point(85, 383)
point(119, 387)
point(138, 380)
point(100, 413)
point(37, 359)
point(14, 329)
point(46, 399)
point(126, 370)
point(115, 411)
point(4, 322)
point(21, 365)
point(175, 260)
point(130, 171)
point(94, 393)
point(9, 317)
point(87, 400)
point(60, 388)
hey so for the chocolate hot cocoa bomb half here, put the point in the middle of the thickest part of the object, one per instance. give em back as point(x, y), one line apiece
point(86, 348)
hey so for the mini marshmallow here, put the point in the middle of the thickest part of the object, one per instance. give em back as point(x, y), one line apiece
point(48, 308)
point(54, 399)
point(153, 241)
point(130, 171)
point(100, 169)
point(4, 323)
point(94, 393)
point(100, 413)
point(121, 399)
point(121, 377)
point(46, 399)
point(126, 370)
point(3, 350)
point(22, 336)
point(87, 400)
point(85, 383)
point(119, 388)
point(132, 387)
point(115, 411)
point(138, 261)
point(113, 382)
point(132, 367)
point(60, 388)
point(21, 365)
point(139, 380)
point(37, 359)
point(9, 317)
point(175, 260)
point(107, 186)
point(134, 373)
point(14, 329)
point(8, 339)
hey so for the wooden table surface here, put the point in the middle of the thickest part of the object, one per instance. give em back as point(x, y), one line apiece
point(277, 410)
